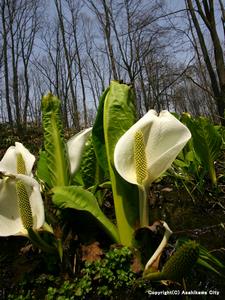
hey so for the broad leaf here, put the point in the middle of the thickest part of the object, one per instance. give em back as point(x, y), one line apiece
point(98, 135)
point(207, 143)
point(119, 116)
point(42, 169)
point(88, 164)
point(55, 147)
point(77, 198)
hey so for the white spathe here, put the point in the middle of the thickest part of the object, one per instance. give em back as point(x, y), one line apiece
point(164, 138)
point(8, 164)
point(75, 147)
point(10, 220)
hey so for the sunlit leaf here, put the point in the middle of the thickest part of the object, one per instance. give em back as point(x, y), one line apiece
point(118, 116)
point(78, 198)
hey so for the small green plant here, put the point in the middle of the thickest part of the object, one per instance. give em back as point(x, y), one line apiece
point(35, 288)
point(207, 144)
point(197, 163)
point(100, 279)
point(108, 275)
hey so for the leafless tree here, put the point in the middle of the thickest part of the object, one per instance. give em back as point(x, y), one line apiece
point(205, 11)
point(19, 27)
point(69, 62)
point(5, 34)
point(74, 10)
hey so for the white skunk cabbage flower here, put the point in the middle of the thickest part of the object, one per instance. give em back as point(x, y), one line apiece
point(15, 156)
point(149, 147)
point(75, 147)
point(21, 206)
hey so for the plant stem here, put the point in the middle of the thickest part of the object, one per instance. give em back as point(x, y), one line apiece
point(143, 206)
point(39, 242)
point(156, 276)
point(121, 205)
point(212, 173)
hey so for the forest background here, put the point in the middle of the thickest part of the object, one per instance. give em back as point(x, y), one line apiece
point(172, 52)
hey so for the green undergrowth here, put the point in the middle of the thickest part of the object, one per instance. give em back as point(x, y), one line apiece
point(108, 278)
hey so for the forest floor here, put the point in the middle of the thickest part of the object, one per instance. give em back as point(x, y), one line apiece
point(194, 215)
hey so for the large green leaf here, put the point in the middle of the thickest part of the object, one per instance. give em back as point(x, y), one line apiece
point(118, 116)
point(77, 198)
point(57, 160)
point(89, 165)
point(98, 135)
point(42, 169)
point(91, 173)
point(207, 143)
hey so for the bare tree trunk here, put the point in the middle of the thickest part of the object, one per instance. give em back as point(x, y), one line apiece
point(5, 62)
point(218, 86)
point(74, 14)
point(104, 20)
point(14, 57)
point(107, 30)
point(27, 35)
point(69, 64)
point(222, 17)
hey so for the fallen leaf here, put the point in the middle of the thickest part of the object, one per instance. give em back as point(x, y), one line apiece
point(91, 252)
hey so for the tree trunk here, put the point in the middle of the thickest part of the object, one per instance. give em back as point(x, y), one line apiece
point(68, 62)
point(5, 62)
point(14, 58)
point(217, 85)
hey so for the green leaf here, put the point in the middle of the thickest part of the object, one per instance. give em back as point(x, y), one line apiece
point(98, 135)
point(180, 163)
point(205, 254)
point(206, 142)
point(57, 160)
point(77, 198)
point(205, 264)
point(88, 164)
point(106, 185)
point(190, 156)
point(119, 116)
point(42, 169)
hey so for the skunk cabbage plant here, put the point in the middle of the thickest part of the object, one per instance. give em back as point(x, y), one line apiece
point(119, 153)
point(116, 114)
point(60, 161)
point(149, 147)
point(14, 159)
point(21, 206)
point(130, 154)
point(147, 150)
